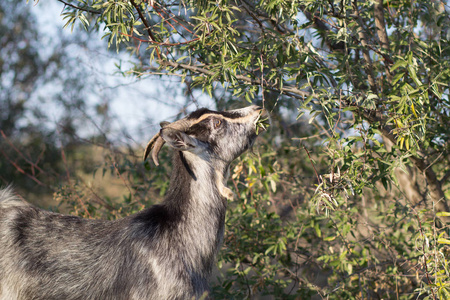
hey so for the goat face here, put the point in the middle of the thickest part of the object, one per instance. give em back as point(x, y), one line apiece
point(210, 135)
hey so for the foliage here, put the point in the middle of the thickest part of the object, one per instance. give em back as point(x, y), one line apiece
point(348, 197)
point(44, 93)
point(23, 70)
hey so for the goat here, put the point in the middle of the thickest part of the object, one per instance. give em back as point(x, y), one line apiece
point(166, 251)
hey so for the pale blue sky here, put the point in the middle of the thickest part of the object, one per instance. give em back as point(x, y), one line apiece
point(138, 105)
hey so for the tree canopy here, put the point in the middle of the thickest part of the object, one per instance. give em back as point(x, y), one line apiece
point(348, 196)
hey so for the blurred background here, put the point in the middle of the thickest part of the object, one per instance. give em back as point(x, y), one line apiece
point(344, 197)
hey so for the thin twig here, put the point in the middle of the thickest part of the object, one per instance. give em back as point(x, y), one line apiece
point(315, 171)
point(18, 168)
point(147, 26)
point(174, 18)
point(81, 8)
point(253, 81)
point(32, 164)
point(162, 43)
point(121, 177)
point(424, 257)
point(64, 159)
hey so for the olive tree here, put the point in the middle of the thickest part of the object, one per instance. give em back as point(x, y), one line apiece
point(349, 196)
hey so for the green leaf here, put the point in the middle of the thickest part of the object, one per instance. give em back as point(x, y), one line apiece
point(443, 241)
point(413, 75)
point(314, 115)
point(397, 64)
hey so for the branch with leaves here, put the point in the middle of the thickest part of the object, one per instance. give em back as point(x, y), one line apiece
point(364, 80)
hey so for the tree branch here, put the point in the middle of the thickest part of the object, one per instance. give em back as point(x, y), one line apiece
point(163, 44)
point(363, 40)
point(292, 90)
point(254, 12)
point(437, 195)
point(81, 8)
point(147, 26)
point(144, 20)
point(19, 169)
point(380, 24)
point(323, 30)
point(372, 116)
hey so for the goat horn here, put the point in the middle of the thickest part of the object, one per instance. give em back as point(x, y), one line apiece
point(155, 144)
point(157, 141)
point(182, 125)
point(156, 148)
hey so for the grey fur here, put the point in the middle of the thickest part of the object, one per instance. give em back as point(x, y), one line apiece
point(166, 251)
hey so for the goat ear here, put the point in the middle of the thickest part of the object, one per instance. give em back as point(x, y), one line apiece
point(178, 139)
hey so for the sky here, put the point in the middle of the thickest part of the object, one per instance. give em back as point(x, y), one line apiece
point(137, 105)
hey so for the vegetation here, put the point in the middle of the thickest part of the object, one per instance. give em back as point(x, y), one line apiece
point(346, 197)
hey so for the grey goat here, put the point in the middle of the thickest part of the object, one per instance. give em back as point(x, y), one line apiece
point(166, 251)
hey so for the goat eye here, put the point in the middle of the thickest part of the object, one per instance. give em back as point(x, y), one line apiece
point(217, 123)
